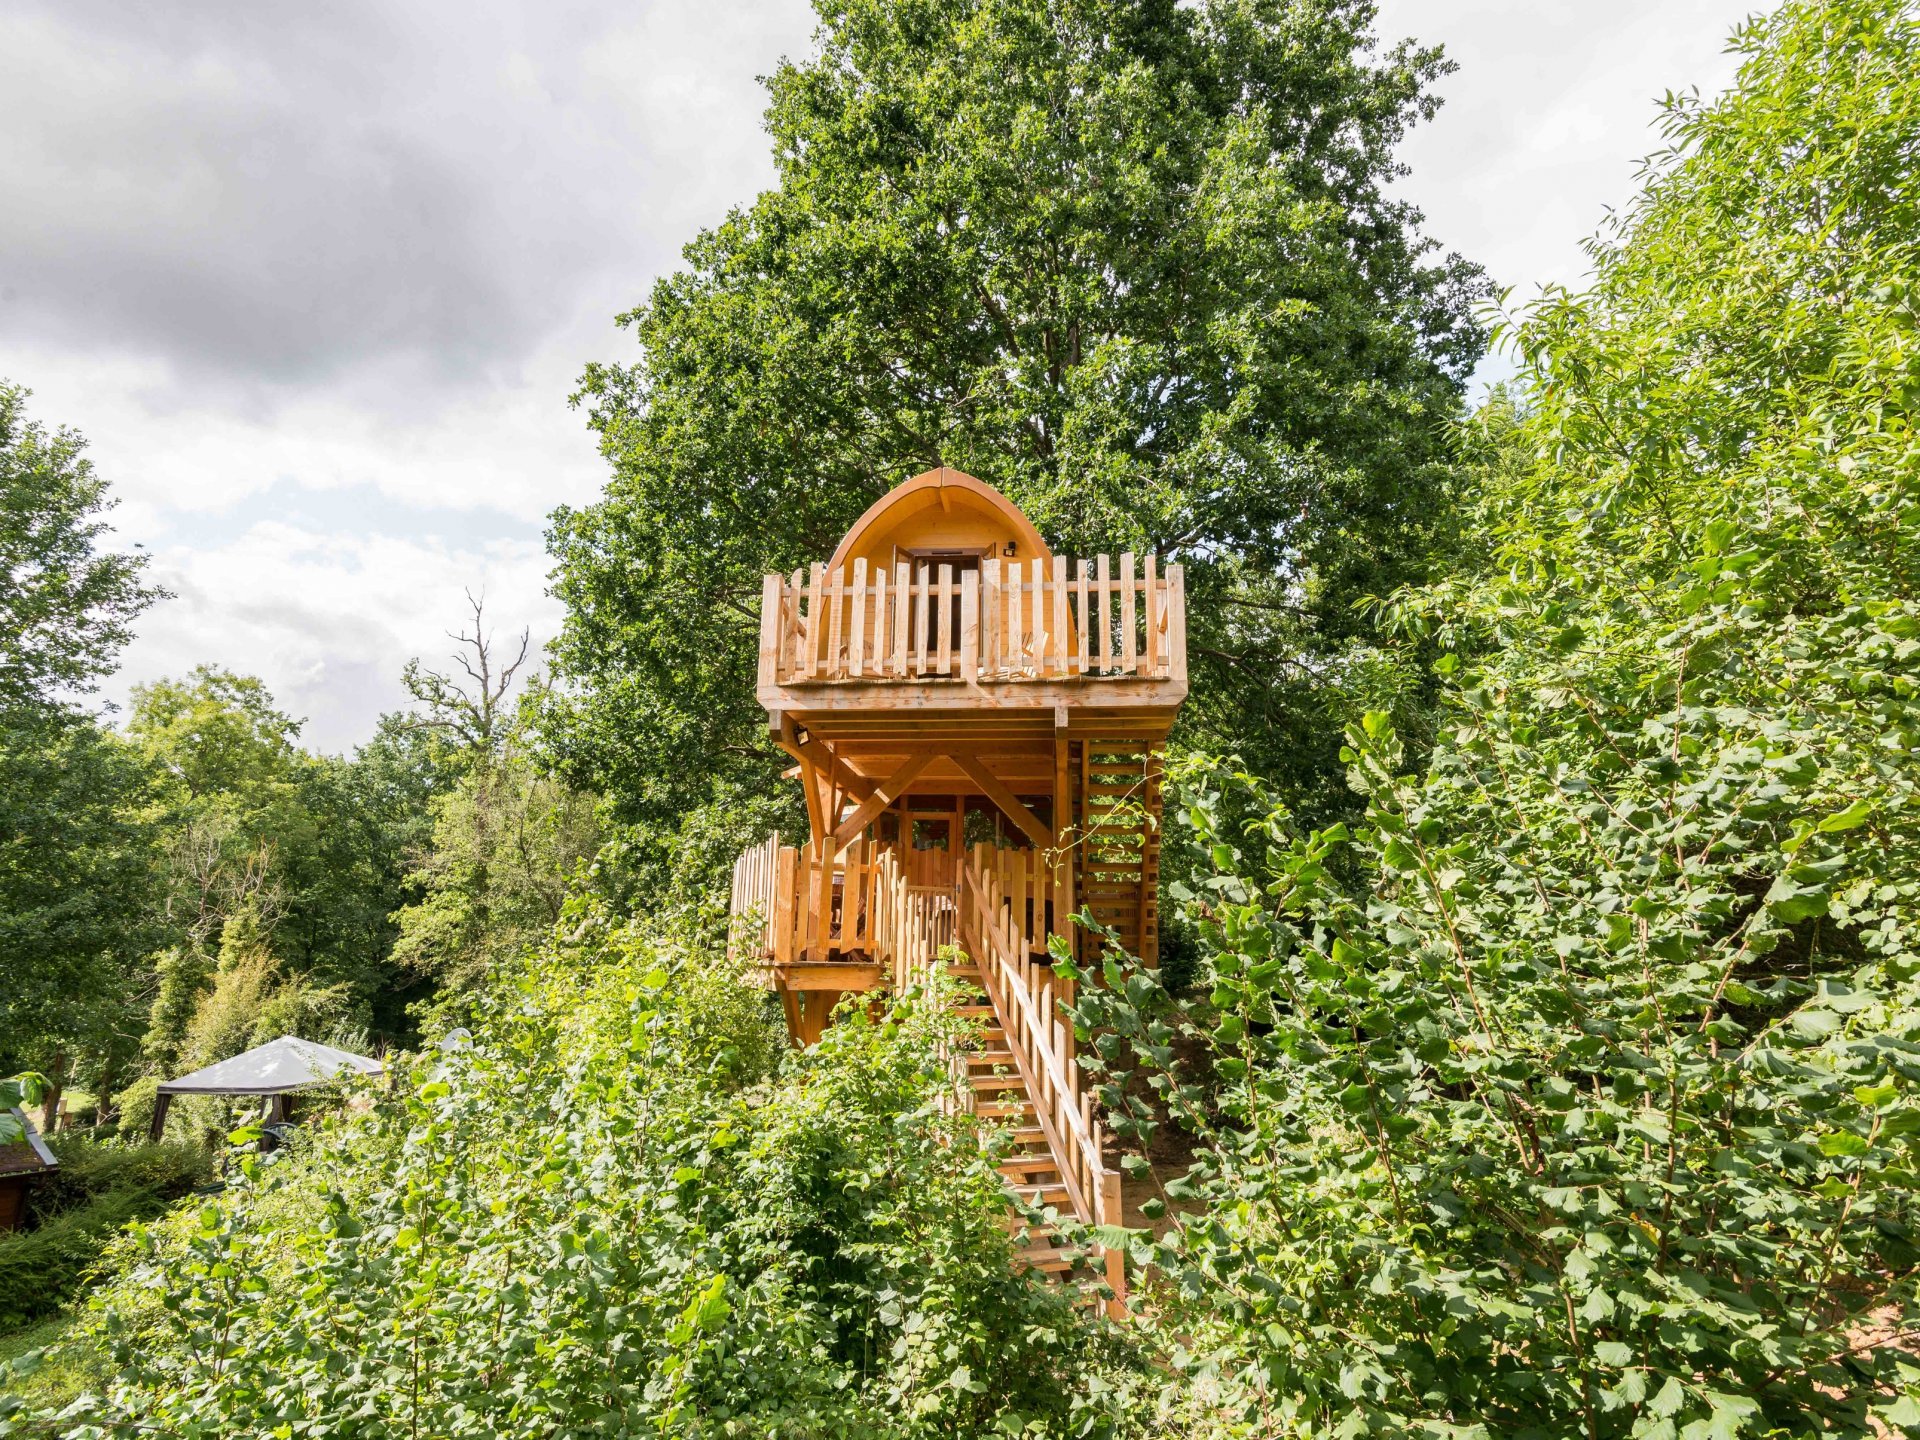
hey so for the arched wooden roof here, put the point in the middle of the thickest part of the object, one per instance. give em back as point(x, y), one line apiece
point(966, 508)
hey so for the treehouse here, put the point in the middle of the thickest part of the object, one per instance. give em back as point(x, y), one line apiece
point(977, 725)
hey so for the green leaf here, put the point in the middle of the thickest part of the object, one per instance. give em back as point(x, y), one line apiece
point(1668, 1399)
point(1853, 816)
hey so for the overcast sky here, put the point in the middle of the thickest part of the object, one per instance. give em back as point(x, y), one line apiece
point(316, 281)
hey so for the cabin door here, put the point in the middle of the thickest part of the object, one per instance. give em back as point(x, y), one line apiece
point(927, 564)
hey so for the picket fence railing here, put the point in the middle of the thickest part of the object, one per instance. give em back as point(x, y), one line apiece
point(1005, 621)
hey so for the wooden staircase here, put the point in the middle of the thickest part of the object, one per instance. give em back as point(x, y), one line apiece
point(1034, 1175)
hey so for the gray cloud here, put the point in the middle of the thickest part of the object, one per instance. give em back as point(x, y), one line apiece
point(278, 194)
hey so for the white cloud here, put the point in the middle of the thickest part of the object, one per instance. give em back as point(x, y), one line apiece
point(1545, 122)
point(329, 618)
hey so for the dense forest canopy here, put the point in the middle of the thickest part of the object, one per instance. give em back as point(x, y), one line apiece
point(1136, 265)
point(1553, 1075)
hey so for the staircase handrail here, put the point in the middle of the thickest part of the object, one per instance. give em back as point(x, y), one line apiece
point(1034, 1042)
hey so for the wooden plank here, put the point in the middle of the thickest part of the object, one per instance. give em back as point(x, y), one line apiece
point(1089, 616)
point(813, 976)
point(883, 795)
point(1149, 587)
point(1177, 625)
point(835, 664)
point(1060, 638)
point(1016, 621)
point(991, 628)
point(799, 656)
point(1010, 804)
point(1128, 665)
point(970, 627)
point(857, 651)
point(772, 603)
point(1103, 592)
point(882, 649)
point(902, 608)
point(785, 897)
point(818, 618)
point(943, 619)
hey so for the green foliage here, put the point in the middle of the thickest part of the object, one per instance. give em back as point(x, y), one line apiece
point(44, 1382)
point(252, 1000)
point(620, 1207)
point(371, 821)
point(282, 869)
point(1134, 263)
point(90, 1169)
point(77, 1209)
point(66, 606)
point(507, 842)
point(77, 896)
point(1573, 1090)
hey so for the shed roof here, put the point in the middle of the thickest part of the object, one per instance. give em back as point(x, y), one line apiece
point(29, 1153)
point(274, 1068)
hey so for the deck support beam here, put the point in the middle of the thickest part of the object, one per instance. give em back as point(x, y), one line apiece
point(1010, 804)
point(884, 794)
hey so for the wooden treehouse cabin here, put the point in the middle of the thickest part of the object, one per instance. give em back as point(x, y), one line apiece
point(978, 726)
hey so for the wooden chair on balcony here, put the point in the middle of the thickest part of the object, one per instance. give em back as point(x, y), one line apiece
point(978, 726)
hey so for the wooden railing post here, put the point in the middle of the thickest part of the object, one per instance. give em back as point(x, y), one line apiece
point(1113, 1212)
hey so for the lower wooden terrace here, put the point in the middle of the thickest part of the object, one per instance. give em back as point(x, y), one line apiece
point(816, 929)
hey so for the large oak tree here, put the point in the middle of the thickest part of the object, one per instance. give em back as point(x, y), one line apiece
point(1136, 264)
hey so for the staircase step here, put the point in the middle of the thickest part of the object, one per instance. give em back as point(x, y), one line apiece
point(1042, 1195)
point(1030, 1163)
point(999, 1084)
point(1051, 1259)
point(990, 1057)
point(1001, 1109)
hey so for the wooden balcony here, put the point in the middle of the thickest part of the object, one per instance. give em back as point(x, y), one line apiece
point(991, 634)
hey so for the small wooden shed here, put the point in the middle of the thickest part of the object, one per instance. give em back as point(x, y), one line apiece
point(21, 1163)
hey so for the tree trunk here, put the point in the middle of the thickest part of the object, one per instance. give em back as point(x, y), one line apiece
point(56, 1087)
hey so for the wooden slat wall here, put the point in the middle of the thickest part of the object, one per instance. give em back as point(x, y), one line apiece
point(1119, 846)
point(1087, 618)
point(750, 909)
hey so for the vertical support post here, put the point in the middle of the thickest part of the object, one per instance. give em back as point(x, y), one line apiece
point(1113, 1212)
point(1065, 836)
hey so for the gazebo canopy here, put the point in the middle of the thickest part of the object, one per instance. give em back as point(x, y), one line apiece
point(274, 1068)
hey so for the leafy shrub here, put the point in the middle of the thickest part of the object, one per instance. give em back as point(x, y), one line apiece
point(619, 1207)
point(75, 1212)
point(1574, 1090)
point(40, 1268)
point(89, 1169)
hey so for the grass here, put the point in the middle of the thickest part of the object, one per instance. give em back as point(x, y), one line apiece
point(73, 1367)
